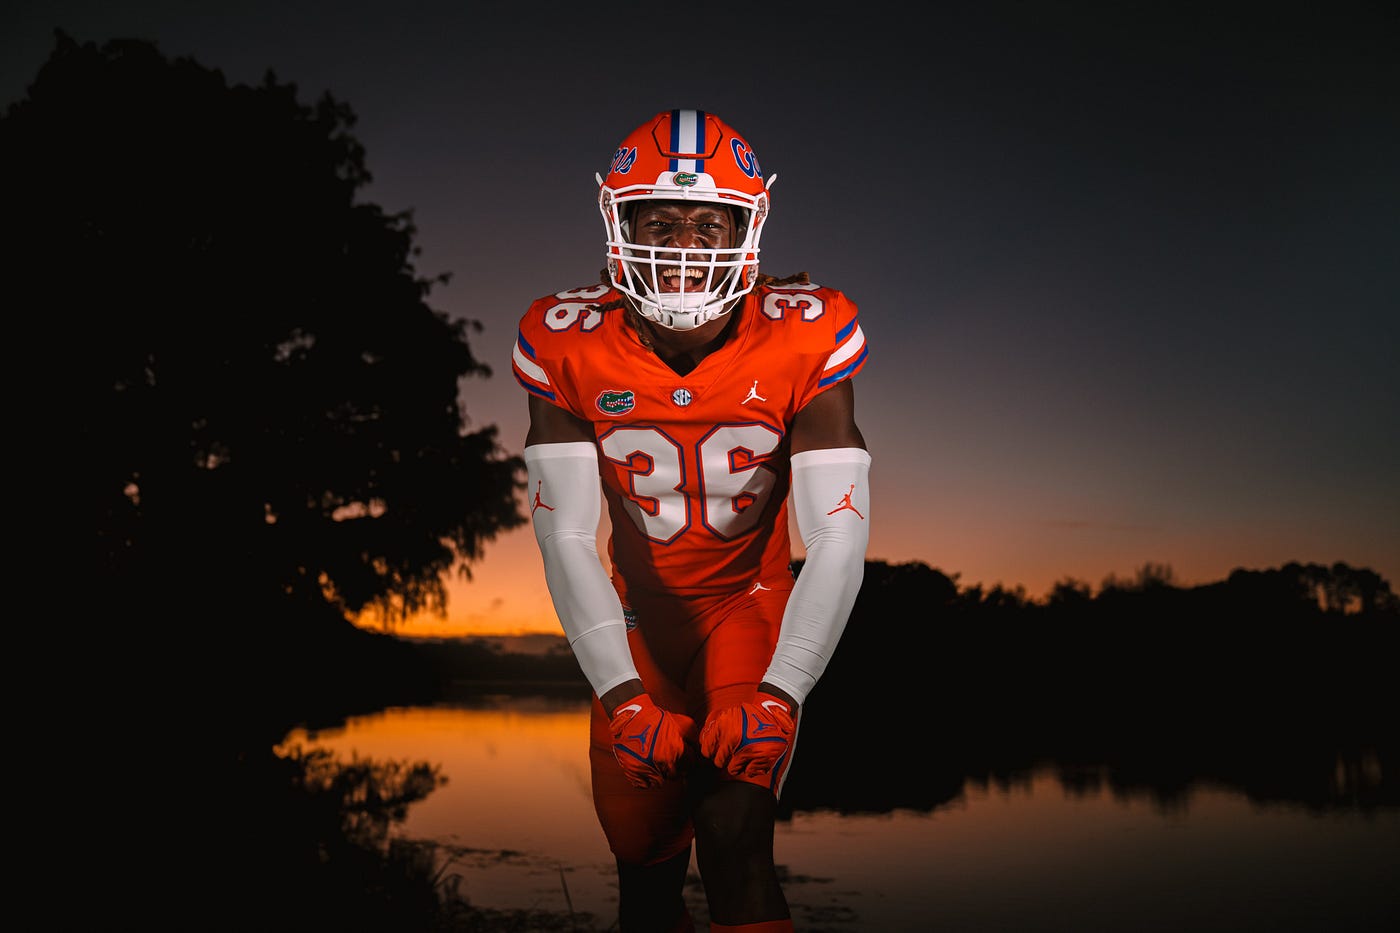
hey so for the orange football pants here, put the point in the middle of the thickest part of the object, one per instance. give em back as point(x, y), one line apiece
point(694, 656)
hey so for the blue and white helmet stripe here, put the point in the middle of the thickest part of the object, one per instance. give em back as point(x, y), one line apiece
point(688, 135)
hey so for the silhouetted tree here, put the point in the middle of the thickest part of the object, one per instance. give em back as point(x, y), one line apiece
point(263, 407)
point(1069, 596)
point(1344, 590)
point(1299, 592)
point(250, 430)
point(1149, 576)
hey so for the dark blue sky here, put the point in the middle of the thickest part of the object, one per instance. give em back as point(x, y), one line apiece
point(1130, 273)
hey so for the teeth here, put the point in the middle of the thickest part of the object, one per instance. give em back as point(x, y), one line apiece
point(690, 273)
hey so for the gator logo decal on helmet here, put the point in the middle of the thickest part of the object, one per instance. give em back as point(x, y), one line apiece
point(616, 401)
point(685, 179)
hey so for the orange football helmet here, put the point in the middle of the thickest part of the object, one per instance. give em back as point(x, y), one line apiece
point(684, 155)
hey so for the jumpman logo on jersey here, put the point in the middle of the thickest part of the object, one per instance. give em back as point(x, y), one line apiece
point(758, 586)
point(846, 503)
point(753, 395)
point(539, 503)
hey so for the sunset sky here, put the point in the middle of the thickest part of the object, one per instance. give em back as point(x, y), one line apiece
point(1129, 273)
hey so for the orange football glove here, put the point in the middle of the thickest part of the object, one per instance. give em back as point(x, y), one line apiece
point(750, 739)
point(648, 741)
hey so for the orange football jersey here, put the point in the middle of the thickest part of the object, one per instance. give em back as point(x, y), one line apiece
point(695, 468)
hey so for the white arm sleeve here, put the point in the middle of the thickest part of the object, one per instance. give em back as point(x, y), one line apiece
point(565, 502)
point(831, 500)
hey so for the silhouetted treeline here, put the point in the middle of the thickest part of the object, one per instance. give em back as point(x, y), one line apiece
point(913, 619)
point(461, 663)
point(915, 624)
point(1277, 682)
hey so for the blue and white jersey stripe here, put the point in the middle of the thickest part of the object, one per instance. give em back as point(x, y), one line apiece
point(849, 354)
point(528, 373)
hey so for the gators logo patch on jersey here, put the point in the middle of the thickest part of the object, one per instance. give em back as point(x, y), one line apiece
point(616, 401)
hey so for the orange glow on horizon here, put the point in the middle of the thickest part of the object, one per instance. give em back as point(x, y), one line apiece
point(507, 594)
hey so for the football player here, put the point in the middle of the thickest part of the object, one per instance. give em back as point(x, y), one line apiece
point(701, 401)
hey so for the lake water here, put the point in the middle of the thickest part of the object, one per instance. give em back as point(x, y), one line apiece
point(1030, 856)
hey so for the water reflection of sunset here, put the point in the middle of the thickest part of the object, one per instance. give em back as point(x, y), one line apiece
point(517, 783)
point(1032, 853)
point(501, 764)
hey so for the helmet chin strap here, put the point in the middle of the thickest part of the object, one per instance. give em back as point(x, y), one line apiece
point(680, 312)
point(649, 329)
point(686, 310)
point(682, 301)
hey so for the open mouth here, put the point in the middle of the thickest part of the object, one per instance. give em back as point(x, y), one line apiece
point(671, 280)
